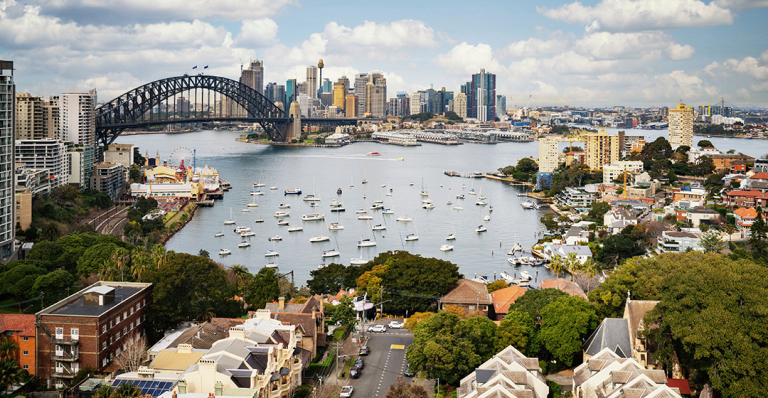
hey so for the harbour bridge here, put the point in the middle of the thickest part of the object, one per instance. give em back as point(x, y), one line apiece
point(142, 107)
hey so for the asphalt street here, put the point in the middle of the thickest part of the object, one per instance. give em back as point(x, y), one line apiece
point(385, 363)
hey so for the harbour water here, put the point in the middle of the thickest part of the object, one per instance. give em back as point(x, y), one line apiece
point(331, 168)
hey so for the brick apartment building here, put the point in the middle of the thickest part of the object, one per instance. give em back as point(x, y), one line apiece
point(89, 328)
point(19, 329)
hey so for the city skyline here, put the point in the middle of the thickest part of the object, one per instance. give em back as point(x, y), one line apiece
point(611, 52)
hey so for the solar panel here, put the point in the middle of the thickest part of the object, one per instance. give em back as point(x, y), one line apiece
point(116, 383)
point(142, 384)
point(155, 384)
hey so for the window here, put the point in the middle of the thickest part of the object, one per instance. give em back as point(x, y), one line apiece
point(471, 307)
point(25, 353)
point(117, 352)
point(125, 330)
point(125, 315)
point(104, 345)
point(75, 334)
point(117, 320)
point(25, 338)
point(9, 333)
point(110, 339)
point(104, 362)
point(25, 367)
point(131, 310)
point(59, 351)
point(110, 324)
point(138, 321)
point(59, 333)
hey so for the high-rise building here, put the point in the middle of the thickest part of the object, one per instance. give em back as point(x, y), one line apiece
point(50, 155)
point(275, 92)
point(681, 126)
point(393, 108)
point(460, 105)
point(7, 178)
point(376, 95)
point(291, 91)
point(327, 85)
point(312, 83)
point(78, 125)
point(601, 148)
point(548, 154)
point(339, 95)
point(483, 99)
point(36, 118)
point(345, 81)
point(501, 106)
point(253, 77)
point(416, 103)
point(404, 104)
point(467, 90)
point(351, 106)
point(301, 89)
point(361, 79)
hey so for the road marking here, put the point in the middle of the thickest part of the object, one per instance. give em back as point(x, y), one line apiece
point(397, 347)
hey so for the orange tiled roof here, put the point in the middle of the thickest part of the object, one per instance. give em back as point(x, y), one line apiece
point(752, 193)
point(564, 285)
point(503, 298)
point(759, 176)
point(746, 212)
point(21, 324)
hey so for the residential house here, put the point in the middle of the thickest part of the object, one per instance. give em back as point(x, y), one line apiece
point(695, 153)
point(745, 198)
point(608, 375)
point(617, 219)
point(583, 253)
point(676, 242)
point(575, 197)
point(508, 374)
point(702, 214)
point(745, 216)
point(757, 181)
point(503, 298)
point(564, 285)
point(689, 192)
point(576, 236)
point(469, 295)
point(198, 335)
point(19, 329)
point(176, 360)
point(613, 333)
point(723, 161)
point(311, 327)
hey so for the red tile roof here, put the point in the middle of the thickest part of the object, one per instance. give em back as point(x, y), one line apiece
point(503, 298)
point(564, 285)
point(468, 292)
point(759, 176)
point(751, 193)
point(680, 384)
point(21, 324)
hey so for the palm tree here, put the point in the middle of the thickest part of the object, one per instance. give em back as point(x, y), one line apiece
point(241, 273)
point(120, 259)
point(557, 264)
point(140, 262)
point(51, 231)
point(572, 262)
point(158, 255)
point(7, 348)
point(126, 390)
point(11, 374)
point(104, 391)
point(590, 271)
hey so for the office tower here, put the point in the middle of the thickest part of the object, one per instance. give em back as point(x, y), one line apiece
point(681, 126)
point(404, 104)
point(326, 100)
point(501, 106)
point(339, 95)
point(376, 95)
point(728, 111)
point(664, 111)
point(392, 107)
point(344, 81)
point(253, 77)
point(483, 99)
point(327, 86)
point(36, 118)
point(460, 105)
point(361, 79)
point(182, 105)
point(467, 90)
point(291, 91)
point(416, 103)
point(548, 154)
point(601, 148)
point(401, 94)
point(447, 99)
point(312, 83)
point(301, 89)
point(275, 92)
point(7, 178)
point(351, 107)
point(304, 105)
point(77, 124)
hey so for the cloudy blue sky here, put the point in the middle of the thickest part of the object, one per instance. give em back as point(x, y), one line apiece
point(591, 53)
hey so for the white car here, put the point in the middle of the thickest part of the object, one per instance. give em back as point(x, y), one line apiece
point(346, 391)
point(377, 329)
point(395, 325)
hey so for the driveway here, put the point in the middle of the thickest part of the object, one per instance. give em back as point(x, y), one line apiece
point(385, 363)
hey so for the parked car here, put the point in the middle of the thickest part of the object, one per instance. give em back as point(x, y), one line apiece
point(364, 350)
point(408, 371)
point(355, 373)
point(359, 364)
point(346, 391)
point(395, 325)
point(378, 329)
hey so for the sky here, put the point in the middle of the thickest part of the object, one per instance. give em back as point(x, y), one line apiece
point(634, 53)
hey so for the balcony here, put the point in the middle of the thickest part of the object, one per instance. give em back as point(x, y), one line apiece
point(61, 341)
point(65, 357)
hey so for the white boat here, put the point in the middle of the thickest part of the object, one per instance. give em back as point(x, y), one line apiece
point(449, 203)
point(404, 217)
point(389, 193)
point(472, 192)
point(242, 229)
point(273, 188)
point(218, 234)
point(259, 184)
point(446, 248)
point(361, 211)
point(285, 206)
point(283, 223)
point(259, 220)
point(452, 236)
point(231, 218)
point(365, 180)
point(313, 217)
point(253, 202)
point(481, 228)
point(257, 193)
point(379, 227)
point(311, 198)
point(383, 185)
point(490, 208)
point(351, 182)
point(319, 238)
point(507, 277)
point(366, 243)
point(224, 252)
point(334, 226)
point(271, 253)
point(411, 237)
point(314, 204)
point(388, 211)
point(528, 205)
point(377, 206)
point(423, 190)
point(487, 218)
point(365, 217)
point(338, 209)
point(281, 214)
point(428, 206)
point(321, 266)
point(330, 253)
point(245, 210)
point(244, 244)
point(525, 275)
point(378, 201)
point(460, 197)
point(271, 265)
point(276, 237)
point(336, 203)
point(458, 208)
point(295, 228)
point(358, 261)
point(516, 248)
point(294, 191)
point(411, 184)
point(247, 234)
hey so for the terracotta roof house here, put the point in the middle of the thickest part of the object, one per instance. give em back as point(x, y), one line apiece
point(19, 329)
point(567, 286)
point(469, 295)
point(745, 216)
point(744, 198)
point(503, 298)
point(508, 374)
point(312, 327)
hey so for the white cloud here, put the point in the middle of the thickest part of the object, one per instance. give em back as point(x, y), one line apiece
point(467, 59)
point(748, 66)
point(641, 15)
point(257, 33)
point(677, 52)
point(535, 47)
point(394, 35)
point(742, 4)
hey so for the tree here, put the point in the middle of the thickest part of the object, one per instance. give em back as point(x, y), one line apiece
point(659, 149)
point(671, 176)
point(204, 253)
point(417, 318)
point(104, 391)
point(481, 332)
point(565, 322)
point(711, 318)
point(533, 301)
point(344, 313)
point(758, 235)
point(558, 265)
point(328, 280)
point(134, 355)
point(526, 165)
point(705, 144)
point(598, 210)
point(54, 284)
point(621, 246)
point(549, 221)
point(711, 242)
point(573, 149)
point(94, 258)
point(729, 229)
point(18, 281)
point(7, 349)
point(241, 274)
point(704, 167)
point(402, 389)
point(10, 374)
point(515, 330)
point(263, 288)
point(497, 285)
point(126, 390)
point(51, 231)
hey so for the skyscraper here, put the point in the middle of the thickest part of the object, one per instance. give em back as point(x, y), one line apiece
point(345, 81)
point(460, 105)
point(7, 150)
point(483, 100)
point(548, 154)
point(291, 91)
point(77, 124)
point(36, 118)
point(376, 95)
point(467, 90)
point(404, 104)
point(327, 86)
point(681, 126)
point(601, 148)
point(339, 95)
point(312, 83)
point(351, 106)
point(415, 103)
point(275, 92)
point(361, 79)
point(501, 106)
point(253, 77)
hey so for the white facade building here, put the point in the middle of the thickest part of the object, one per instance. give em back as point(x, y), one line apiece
point(78, 124)
point(548, 154)
point(50, 155)
point(616, 169)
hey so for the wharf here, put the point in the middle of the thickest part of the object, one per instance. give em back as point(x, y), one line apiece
point(224, 184)
point(206, 203)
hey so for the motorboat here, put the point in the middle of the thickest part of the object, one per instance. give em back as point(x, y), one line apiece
point(271, 253)
point(336, 203)
point(283, 223)
point(481, 202)
point(338, 191)
point(383, 185)
point(411, 184)
point(490, 208)
point(246, 210)
point(276, 237)
point(365, 217)
point(428, 206)
point(481, 279)
point(388, 211)
point(321, 266)
point(258, 184)
point(281, 213)
point(247, 234)
point(257, 193)
point(319, 238)
point(361, 211)
point(449, 203)
point(224, 252)
point(229, 222)
point(516, 248)
point(378, 201)
point(525, 275)
point(411, 237)
point(379, 227)
point(528, 205)
point(330, 253)
point(258, 220)
point(253, 205)
point(240, 230)
point(273, 188)
point(358, 261)
point(294, 191)
point(458, 208)
point(285, 206)
point(446, 248)
point(487, 218)
point(481, 228)
point(334, 226)
point(351, 182)
point(472, 192)
point(314, 204)
point(338, 209)
point(377, 206)
point(218, 234)
point(461, 197)
point(295, 228)
point(311, 198)
point(373, 154)
point(404, 218)
point(244, 244)
point(313, 217)
point(366, 243)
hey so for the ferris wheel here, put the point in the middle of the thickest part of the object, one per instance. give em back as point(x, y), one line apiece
point(179, 155)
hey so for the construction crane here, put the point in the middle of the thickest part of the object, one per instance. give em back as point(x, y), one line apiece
point(625, 181)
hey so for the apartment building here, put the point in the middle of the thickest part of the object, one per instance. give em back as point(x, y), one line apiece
point(108, 178)
point(681, 126)
point(36, 118)
point(50, 155)
point(19, 329)
point(601, 149)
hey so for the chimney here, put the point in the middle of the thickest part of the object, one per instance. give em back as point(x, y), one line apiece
point(281, 304)
point(184, 348)
point(219, 388)
point(237, 332)
point(182, 387)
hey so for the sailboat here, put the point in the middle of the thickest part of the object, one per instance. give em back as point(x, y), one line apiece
point(336, 226)
point(472, 189)
point(358, 261)
point(253, 202)
point(516, 248)
point(365, 180)
point(312, 197)
point(423, 191)
point(452, 236)
point(413, 236)
point(272, 252)
point(259, 220)
point(319, 238)
point(218, 234)
point(351, 182)
point(405, 217)
point(259, 184)
point(231, 218)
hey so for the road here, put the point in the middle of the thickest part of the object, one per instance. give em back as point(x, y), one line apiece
point(385, 363)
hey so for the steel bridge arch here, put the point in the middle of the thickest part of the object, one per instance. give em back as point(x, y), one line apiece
point(127, 110)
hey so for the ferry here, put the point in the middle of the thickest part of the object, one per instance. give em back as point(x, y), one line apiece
point(294, 191)
point(374, 154)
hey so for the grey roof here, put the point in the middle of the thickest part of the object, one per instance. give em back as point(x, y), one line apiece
point(704, 210)
point(78, 307)
point(578, 249)
point(612, 333)
point(483, 375)
point(573, 231)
